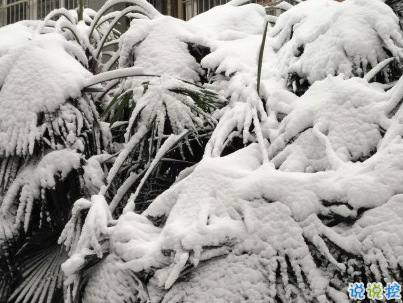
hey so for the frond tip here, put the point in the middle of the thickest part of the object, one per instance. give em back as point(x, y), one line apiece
point(33, 179)
point(42, 277)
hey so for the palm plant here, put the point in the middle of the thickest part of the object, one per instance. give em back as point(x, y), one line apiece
point(42, 149)
point(294, 236)
point(63, 147)
point(114, 166)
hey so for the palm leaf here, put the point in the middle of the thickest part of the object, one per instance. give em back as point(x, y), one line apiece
point(41, 275)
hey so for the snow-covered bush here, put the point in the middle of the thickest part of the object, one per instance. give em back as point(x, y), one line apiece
point(176, 164)
point(321, 38)
point(47, 129)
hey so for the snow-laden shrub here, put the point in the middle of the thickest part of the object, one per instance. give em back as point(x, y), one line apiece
point(307, 201)
point(291, 218)
point(47, 129)
point(320, 38)
point(42, 111)
point(248, 232)
point(54, 147)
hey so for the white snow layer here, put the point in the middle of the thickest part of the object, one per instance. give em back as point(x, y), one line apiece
point(319, 38)
point(36, 76)
point(28, 185)
point(162, 49)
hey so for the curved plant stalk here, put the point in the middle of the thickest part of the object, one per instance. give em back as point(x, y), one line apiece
point(123, 189)
point(164, 149)
point(109, 43)
point(72, 29)
point(117, 18)
point(112, 15)
point(57, 12)
point(141, 5)
point(372, 73)
point(116, 74)
point(111, 85)
point(260, 59)
point(111, 62)
point(134, 140)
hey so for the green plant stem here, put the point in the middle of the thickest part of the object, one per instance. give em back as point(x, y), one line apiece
point(260, 59)
point(80, 10)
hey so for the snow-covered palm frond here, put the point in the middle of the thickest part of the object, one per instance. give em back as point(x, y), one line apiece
point(158, 108)
point(31, 183)
point(160, 47)
point(95, 229)
point(314, 204)
point(69, 25)
point(45, 214)
point(30, 89)
point(47, 127)
point(292, 220)
point(42, 113)
point(239, 119)
point(318, 38)
point(94, 31)
point(106, 23)
point(42, 277)
point(321, 121)
point(83, 277)
point(107, 270)
point(9, 262)
point(301, 235)
point(233, 70)
point(168, 101)
point(85, 241)
point(182, 105)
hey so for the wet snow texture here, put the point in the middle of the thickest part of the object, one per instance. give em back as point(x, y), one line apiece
point(314, 204)
point(45, 122)
point(36, 77)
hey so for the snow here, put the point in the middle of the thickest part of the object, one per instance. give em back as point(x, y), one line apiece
point(109, 271)
point(229, 22)
point(137, 242)
point(107, 76)
point(238, 225)
point(331, 38)
point(332, 106)
point(314, 199)
point(230, 201)
point(94, 230)
point(13, 36)
point(372, 73)
point(94, 174)
point(284, 6)
point(160, 103)
point(227, 55)
point(162, 49)
point(29, 87)
point(35, 177)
